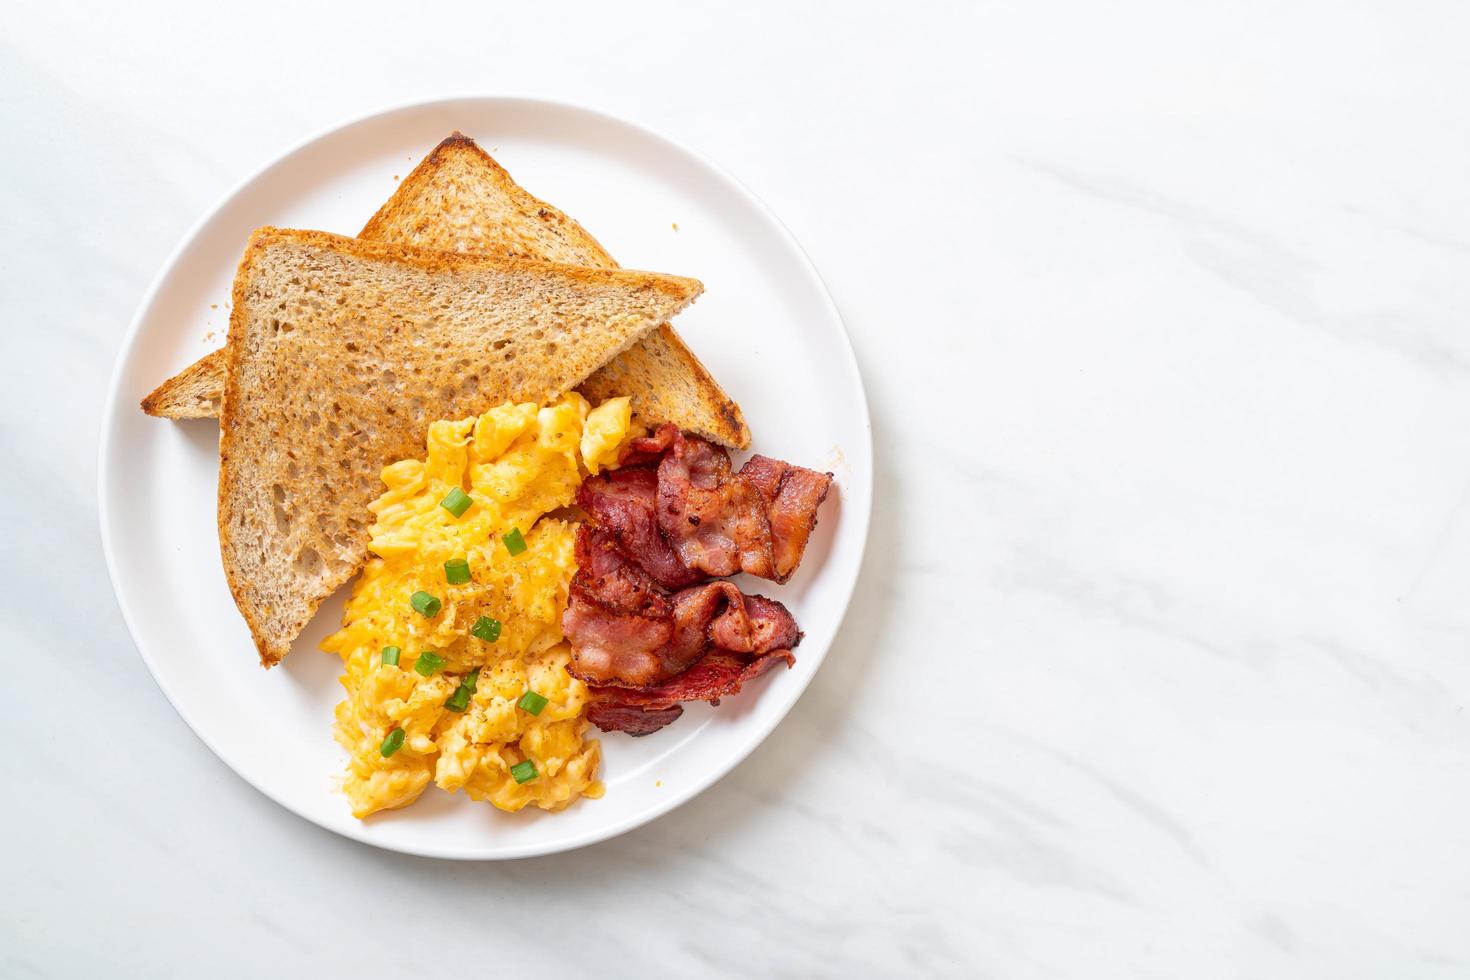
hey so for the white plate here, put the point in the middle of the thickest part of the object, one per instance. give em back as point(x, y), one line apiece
point(765, 327)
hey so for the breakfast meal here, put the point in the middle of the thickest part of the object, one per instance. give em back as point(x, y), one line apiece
point(472, 414)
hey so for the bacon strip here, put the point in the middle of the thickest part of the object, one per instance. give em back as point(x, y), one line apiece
point(645, 634)
point(649, 449)
point(716, 676)
point(613, 717)
point(791, 495)
point(623, 503)
point(617, 622)
point(716, 523)
point(642, 712)
point(692, 517)
point(624, 632)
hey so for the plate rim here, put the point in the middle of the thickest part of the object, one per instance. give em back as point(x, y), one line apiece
point(106, 465)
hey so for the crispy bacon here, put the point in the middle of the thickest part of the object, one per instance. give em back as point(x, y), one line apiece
point(693, 517)
point(625, 633)
point(642, 712)
point(610, 716)
point(791, 495)
point(645, 634)
point(716, 523)
point(748, 624)
point(716, 676)
point(618, 623)
point(623, 503)
point(649, 449)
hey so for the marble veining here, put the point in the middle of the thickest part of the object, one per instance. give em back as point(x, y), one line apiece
point(1158, 663)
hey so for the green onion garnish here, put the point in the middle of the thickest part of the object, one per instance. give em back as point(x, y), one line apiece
point(486, 629)
point(531, 703)
point(460, 699)
point(524, 772)
point(514, 543)
point(456, 571)
point(425, 604)
point(392, 743)
point(428, 662)
point(390, 656)
point(456, 502)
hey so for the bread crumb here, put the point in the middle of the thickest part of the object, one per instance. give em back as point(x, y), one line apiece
point(395, 176)
point(209, 336)
point(676, 226)
point(836, 461)
point(214, 306)
point(658, 782)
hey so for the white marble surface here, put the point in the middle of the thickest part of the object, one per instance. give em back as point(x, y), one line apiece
point(1159, 663)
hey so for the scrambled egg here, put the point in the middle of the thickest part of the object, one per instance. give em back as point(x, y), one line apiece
point(516, 463)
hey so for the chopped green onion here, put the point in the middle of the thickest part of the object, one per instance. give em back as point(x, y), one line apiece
point(392, 743)
point(531, 703)
point(486, 629)
point(460, 699)
point(390, 656)
point(524, 772)
point(456, 502)
point(428, 662)
point(514, 543)
point(456, 571)
point(425, 604)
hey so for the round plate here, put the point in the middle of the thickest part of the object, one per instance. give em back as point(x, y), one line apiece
point(765, 327)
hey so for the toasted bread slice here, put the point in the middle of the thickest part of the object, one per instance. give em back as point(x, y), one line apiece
point(193, 393)
point(459, 199)
point(340, 354)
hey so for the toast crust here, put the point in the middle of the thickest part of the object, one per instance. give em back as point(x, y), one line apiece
point(665, 378)
point(435, 261)
point(193, 393)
